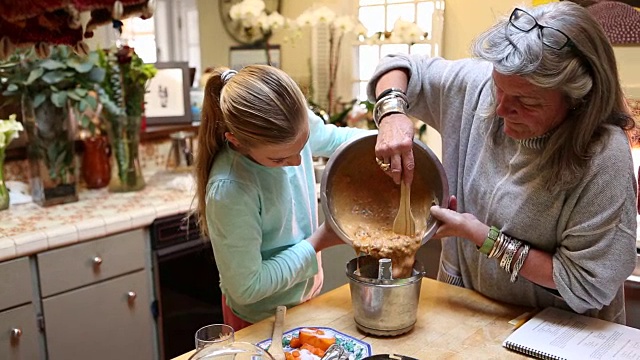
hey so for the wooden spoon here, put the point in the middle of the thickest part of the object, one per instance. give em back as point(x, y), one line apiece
point(275, 349)
point(404, 224)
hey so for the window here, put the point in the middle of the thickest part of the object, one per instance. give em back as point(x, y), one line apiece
point(171, 34)
point(141, 35)
point(379, 17)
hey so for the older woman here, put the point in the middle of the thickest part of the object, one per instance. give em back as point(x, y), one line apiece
point(534, 147)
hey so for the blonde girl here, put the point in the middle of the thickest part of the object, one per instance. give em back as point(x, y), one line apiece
point(255, 188)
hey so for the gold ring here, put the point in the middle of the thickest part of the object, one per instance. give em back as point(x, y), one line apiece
point(383, 166)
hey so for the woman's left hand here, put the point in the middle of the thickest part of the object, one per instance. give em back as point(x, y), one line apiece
point(457, 224)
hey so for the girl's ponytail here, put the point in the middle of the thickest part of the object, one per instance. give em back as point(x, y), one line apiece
point(210, 139)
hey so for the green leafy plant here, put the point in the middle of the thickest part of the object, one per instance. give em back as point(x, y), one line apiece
point(49, 88)
point(126, 81)
point(122, 93)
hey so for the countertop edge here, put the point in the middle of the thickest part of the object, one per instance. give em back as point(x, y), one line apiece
point(47, 236)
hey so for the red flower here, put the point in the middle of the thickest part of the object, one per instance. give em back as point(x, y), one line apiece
point(125, 54)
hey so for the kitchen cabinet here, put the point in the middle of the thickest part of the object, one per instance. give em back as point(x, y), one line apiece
point(19, 337)
point(96, 299)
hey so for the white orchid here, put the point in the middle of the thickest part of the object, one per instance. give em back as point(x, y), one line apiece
point(324, 15)
point(9, 130)
point(307, 18)
point(252, 15)
point(344, 24)
point(407, 32)
point(247, 11)
point(275, 21)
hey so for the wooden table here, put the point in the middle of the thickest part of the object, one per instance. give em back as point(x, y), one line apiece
point(453, 323)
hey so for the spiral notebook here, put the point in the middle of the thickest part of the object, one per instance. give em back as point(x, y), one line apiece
point(558, 334)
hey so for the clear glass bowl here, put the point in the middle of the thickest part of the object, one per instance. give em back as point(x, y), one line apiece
point(235, 351)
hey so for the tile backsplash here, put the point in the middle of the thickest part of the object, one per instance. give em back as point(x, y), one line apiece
point(153, 157)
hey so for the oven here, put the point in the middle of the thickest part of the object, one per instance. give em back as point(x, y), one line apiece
point(186, 283)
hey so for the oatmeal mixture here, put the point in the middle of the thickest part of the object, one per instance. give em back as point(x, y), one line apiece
point(367, 214)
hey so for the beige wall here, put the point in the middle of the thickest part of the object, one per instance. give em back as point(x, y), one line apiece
point(464, 20)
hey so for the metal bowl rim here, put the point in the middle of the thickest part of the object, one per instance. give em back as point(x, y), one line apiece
point(342, 148)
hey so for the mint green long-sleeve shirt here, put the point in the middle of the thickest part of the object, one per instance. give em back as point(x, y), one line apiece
point(258, 219)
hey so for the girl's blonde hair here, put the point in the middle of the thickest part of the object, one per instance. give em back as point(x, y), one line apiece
point(260, 105)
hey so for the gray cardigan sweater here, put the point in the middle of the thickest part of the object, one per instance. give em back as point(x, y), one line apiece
point(590, 229)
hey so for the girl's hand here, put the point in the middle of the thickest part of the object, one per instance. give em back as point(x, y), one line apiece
point(324, 237)
point(463, 225)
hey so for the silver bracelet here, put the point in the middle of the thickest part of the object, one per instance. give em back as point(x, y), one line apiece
point(518, 265)
point(498, 246)
point(511, 251)
point(505, 243)
point(394, 103)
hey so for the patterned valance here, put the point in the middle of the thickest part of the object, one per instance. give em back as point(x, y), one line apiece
point(47, 22)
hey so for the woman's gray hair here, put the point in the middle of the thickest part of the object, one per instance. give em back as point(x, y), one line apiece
point(584, 71)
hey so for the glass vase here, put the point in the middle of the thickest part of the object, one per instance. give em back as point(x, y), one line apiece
point(96, 167)
point(4, 194)
point(124, 136)
point(51, 152)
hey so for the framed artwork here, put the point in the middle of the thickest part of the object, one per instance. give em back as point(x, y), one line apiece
point(241, 56)
point(620, 19)
point(167, 99)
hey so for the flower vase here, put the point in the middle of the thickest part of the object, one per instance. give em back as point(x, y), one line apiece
point(96, 168)
point(4, 193)
point(51, 152)
point(124, 136)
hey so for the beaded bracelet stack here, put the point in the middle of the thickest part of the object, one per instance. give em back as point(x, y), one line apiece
point(498, 244)
point(390, 101)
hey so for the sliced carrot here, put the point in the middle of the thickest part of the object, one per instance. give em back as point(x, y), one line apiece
point(295, 342)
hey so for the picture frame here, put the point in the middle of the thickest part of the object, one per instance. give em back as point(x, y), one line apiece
point(241, 56)
point(167, 100)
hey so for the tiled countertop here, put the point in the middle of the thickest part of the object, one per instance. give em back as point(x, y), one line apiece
point(29, 228)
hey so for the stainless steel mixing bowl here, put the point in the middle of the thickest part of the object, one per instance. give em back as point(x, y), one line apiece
point(353, 186)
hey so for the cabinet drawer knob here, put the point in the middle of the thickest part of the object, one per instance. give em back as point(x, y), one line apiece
point(131, 296)
point(16, 333)
point(97, 261)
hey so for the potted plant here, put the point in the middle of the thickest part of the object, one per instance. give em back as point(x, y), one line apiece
point(9, 129)
point(54, 92)
point(122, 93)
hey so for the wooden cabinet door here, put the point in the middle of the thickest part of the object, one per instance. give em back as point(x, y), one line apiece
point(88, 262)
point(108, 320)
point(19, 334)
point(15, 283)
